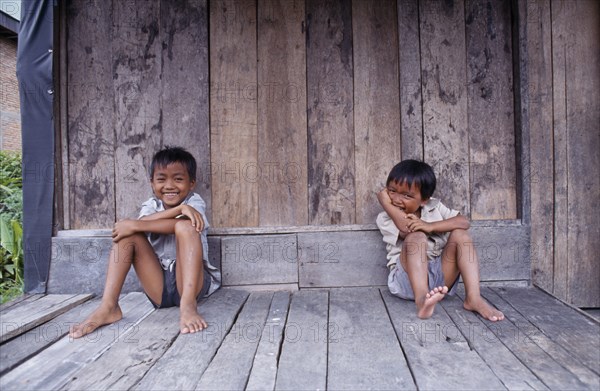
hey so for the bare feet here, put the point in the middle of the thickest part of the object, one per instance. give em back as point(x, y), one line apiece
point(104, 314)
point(425, 310)
point(190, 321)
point(484, 309)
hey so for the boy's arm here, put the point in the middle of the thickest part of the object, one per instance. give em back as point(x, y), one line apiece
point(399, 218)
point(125, 228)
point(186, 210)
point(456, 222)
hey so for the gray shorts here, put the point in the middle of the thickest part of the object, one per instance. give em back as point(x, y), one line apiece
point(399, 284)
point(170, 294)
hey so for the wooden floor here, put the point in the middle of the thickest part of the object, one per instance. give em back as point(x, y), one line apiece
point(337, 339)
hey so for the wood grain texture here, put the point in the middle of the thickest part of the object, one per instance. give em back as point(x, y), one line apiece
point(306, 336)
point(231, 366)
point(411, 103)
point(329, 79)
point(20, 319)
point(264, 259)
point(491, 126)
point(560, 32)
point(53, 367)
point(189, 356)
point(90, 116)
point(185, 85)
point(540, 176)
point(266, 359)
point(583, 152)
point(444, 75)
point(281, 168)
point(377, 144)
point(425, 341)
point(233, 113)
point(360, 332)
point(136, 67)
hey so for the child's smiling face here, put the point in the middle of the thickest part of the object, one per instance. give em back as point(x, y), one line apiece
point(407, 198)
point(171, 184)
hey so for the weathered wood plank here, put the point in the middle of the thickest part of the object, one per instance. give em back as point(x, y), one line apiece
point(513, 374)
point(583, 152)
point(264, 367)
point(329, 79)
point(90, 115)
point(52, 368)
point(555, 367)
point(303, 359)
point(443, 71)
point(491, 110)
point(231, 366)
point(80, 264)
point(23, 299)
point(185, 84)
point(539, 58)
point(425, 342)
point(558, 322)
point(281, 168)
point(265, 259)
point(376, 101)
point(560, 31)
point(126, 362)
point(341, 259)
point(411, 104)
point(17, 350)
point(233, 113)
point(136, 55)
point(361, 341)
point(20, 319)
point(188, 357)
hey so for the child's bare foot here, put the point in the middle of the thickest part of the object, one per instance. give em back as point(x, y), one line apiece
point(104, 314)
point(484, 309)
point(190, 321)
point(431, 299)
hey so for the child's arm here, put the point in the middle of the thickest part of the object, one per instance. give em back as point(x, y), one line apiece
point(188, 211)
point(456, 222)
point(399, 218)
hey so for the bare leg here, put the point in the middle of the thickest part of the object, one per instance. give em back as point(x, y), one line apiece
point(414, 261)
point(133, 249)
point(190, 276)
point(459, 256)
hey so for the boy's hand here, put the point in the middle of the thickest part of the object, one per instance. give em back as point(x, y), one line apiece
point(416, 224)
point(123, 229)
point(384, 197)
point(194, 216)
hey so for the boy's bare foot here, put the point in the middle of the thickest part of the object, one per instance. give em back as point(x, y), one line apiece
point(103, 315)
point(431, 299)
point(484, 309)
point(190, 321)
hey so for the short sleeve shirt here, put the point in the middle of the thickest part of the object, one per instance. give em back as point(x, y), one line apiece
point(431, 212)
point(165, 246)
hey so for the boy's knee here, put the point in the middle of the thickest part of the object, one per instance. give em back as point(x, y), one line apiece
point(184, 227)
point(415, 243)
point(415, 237)
point(460, 236)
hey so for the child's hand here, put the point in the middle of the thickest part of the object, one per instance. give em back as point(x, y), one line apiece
point(384, 197)
point(416, 224)
point(194, 216)
point(123, 229)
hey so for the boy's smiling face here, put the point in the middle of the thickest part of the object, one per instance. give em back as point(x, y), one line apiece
point(171, 184)
point(407, 198)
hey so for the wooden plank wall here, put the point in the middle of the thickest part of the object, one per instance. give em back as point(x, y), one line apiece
point(299, 109)
point(564, 102)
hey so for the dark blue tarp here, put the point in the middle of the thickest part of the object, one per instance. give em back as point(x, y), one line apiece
point(34, 72)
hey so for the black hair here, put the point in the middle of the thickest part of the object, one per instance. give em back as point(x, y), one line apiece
point(169, 155)
point(414, 172)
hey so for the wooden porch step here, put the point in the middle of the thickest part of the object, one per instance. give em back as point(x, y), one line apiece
point(338, 339)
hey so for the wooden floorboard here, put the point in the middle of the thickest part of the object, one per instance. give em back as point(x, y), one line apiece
point(337, 339)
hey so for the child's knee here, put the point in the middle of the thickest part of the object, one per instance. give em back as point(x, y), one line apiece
point(185, 228)
point(415, 243)
point(460, 236)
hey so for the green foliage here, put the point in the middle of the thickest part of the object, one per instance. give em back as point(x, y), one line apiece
point(11, 226)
